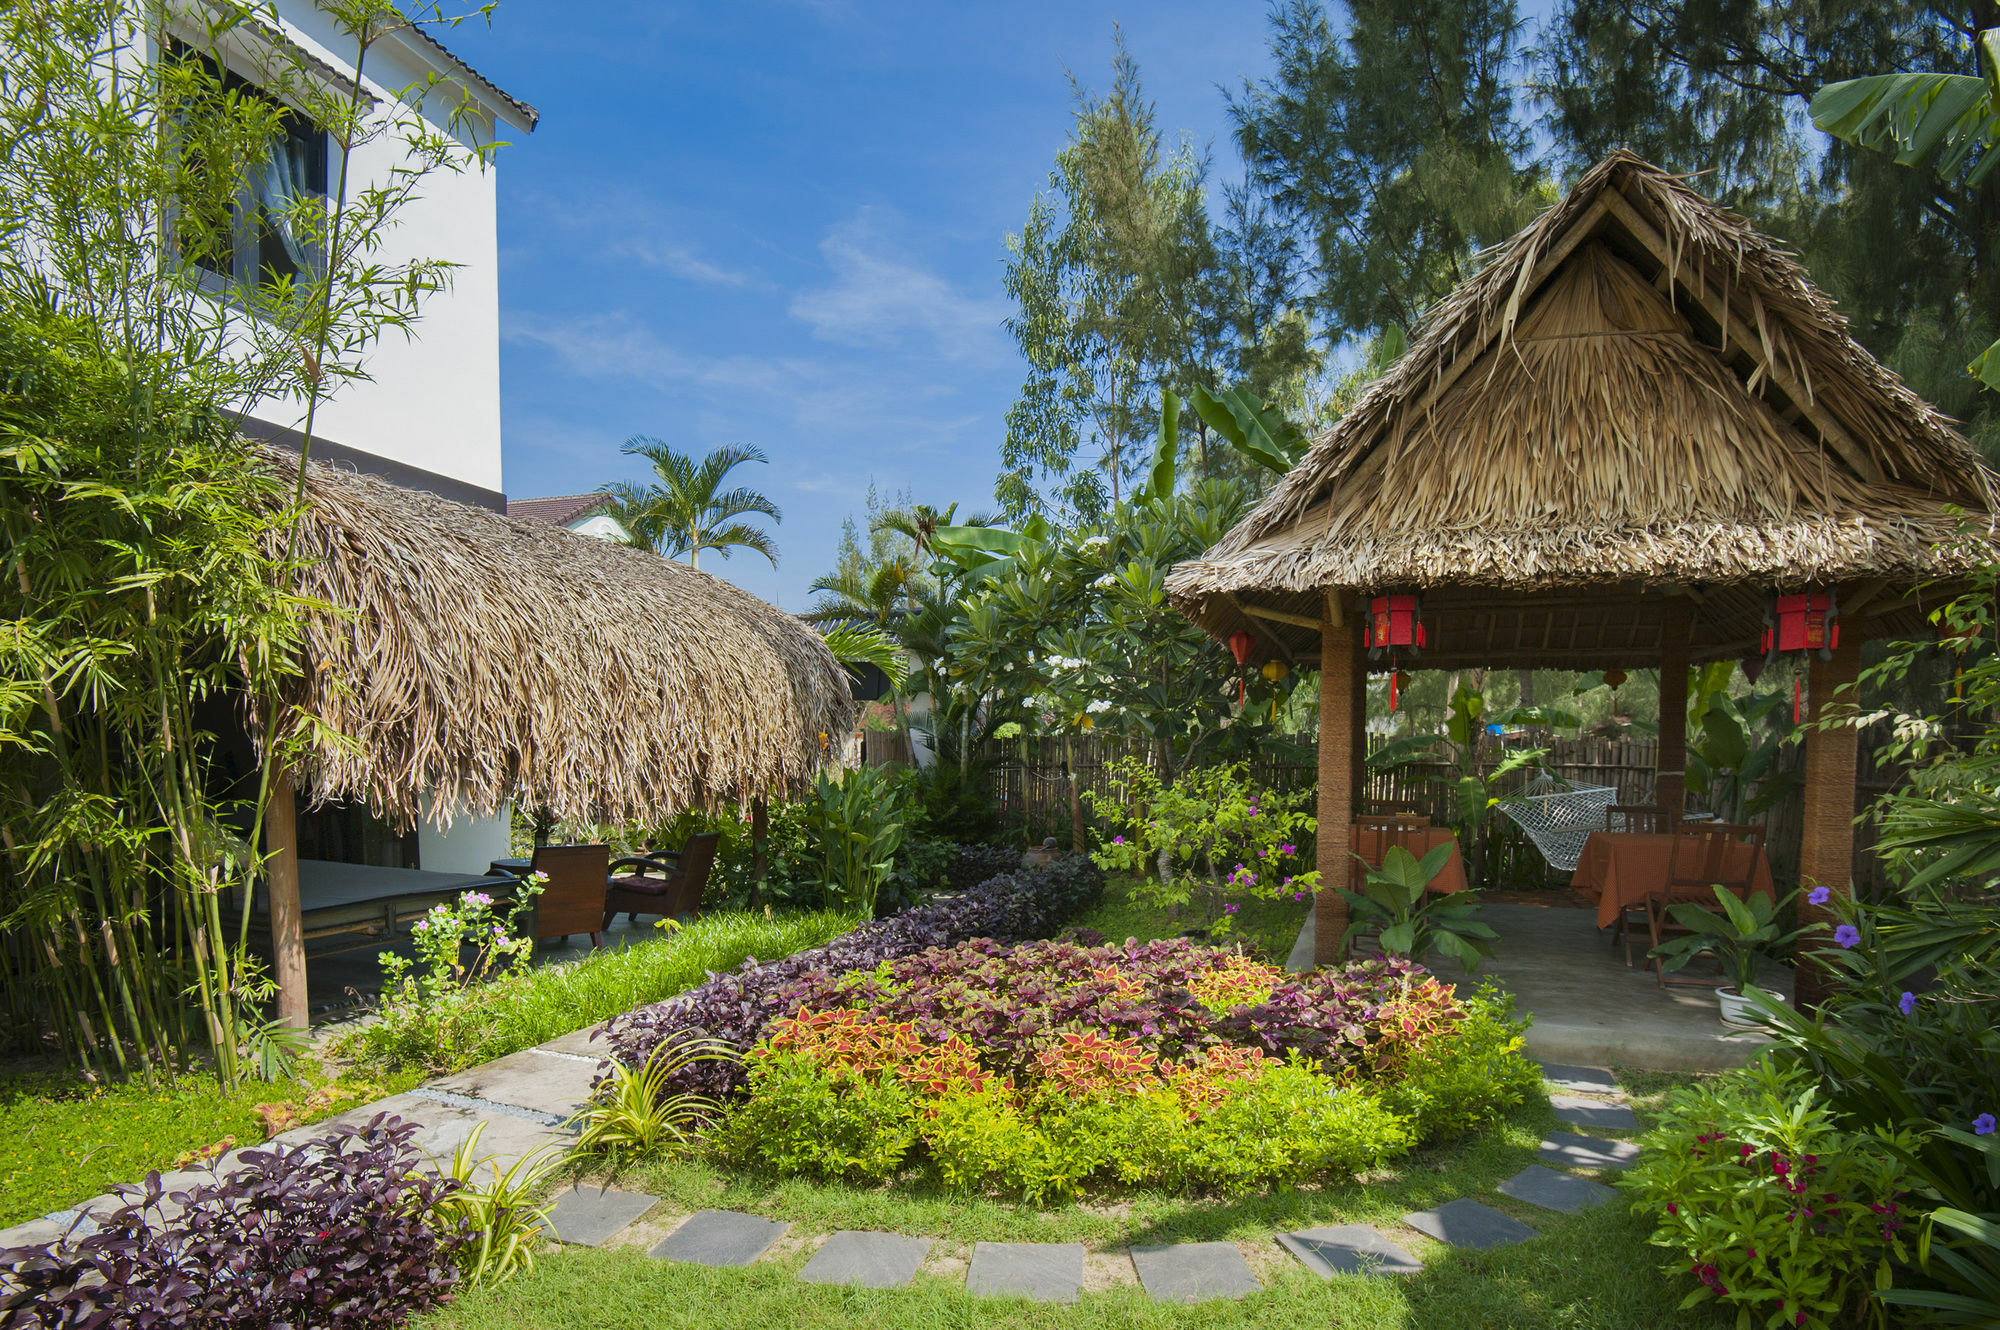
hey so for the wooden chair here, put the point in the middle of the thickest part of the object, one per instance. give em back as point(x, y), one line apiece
point(573, 900)
point(1390, 807)
point(1700, 861)
point(1637, 817)
point(667, 884)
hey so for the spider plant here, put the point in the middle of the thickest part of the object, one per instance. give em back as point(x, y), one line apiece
point(498, 1216)
point(635, 1114)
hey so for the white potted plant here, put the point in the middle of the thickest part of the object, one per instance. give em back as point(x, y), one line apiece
point(1737, 936)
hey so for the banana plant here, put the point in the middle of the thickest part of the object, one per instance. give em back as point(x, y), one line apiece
point(1257, 431)
point(1734, 744)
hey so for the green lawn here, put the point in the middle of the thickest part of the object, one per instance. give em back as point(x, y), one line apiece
point(68, 1139)
point(1590, 1271)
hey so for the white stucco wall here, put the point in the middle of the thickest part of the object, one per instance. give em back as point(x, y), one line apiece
point(468, 847)
point(433, 399)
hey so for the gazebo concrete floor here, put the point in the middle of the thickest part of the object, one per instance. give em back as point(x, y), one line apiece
point(1589, 1008)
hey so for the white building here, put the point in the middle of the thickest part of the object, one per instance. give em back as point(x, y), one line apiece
point(585, 514)
point(428, 417)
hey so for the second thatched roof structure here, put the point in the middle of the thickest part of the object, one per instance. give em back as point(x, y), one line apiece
point(470, 659)
point(1638, 393)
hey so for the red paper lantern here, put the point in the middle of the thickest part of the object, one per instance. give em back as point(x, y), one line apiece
point(1240, 644)
point(1805, 622)
point(1395, 623)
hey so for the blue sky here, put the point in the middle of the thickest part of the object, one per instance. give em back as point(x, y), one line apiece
point(783, 224)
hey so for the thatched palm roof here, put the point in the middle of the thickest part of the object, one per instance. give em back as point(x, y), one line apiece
point(1636, 393)
point(475, 658)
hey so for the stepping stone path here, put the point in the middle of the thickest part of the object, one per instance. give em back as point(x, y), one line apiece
point(1592, 1152)
point(1348, 1249)
point(867, 1260)
point(1583, 1080)
point(1193, 1271)
point(1563, 1192)
point(590, 1216)
point(1040, 1271)
point(1467, 1223)
point(720, 1237)
point(1593, 1113)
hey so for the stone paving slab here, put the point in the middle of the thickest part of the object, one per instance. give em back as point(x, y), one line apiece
point(1593, 1113)
point(442, 1126)
point(1348, 1249)
point(1584, 1080)
point(1592, 1152)
point(1040, 1271)
point(1564, 1192)
point(1193, 1271)
point(591, 1216)
point(529, 1079)
point(1470, 1224)
point(720, 1237)
point(866, 1259)
point(579, 1044)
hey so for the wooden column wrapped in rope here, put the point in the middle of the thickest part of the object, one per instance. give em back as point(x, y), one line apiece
point(281, 881)
point(1670, 784)
point(1826, 841)
point(1339, 659)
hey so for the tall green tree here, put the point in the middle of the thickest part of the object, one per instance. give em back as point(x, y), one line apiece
point(1115, 278)
point(685, 510)
point(1393, 144)
point(1724, 89)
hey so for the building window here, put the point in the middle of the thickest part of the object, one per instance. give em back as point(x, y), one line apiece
point(259, 242)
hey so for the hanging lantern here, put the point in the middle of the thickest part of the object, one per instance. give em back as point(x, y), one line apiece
point(1615, 679)
point(1395, 624)
point(1752, 667)
point(1806, 622)
point(1240, 644)
point(1275, 670)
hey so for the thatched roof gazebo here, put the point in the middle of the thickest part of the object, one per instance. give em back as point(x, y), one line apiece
point(1604, 450)
point(470, 660)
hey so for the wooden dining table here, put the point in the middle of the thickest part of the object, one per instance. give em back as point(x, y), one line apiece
point(1619, 869)
point(1371, 843)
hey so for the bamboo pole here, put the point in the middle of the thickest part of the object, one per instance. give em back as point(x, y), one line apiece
point(760, 848)
point(1826, 839)
point(281, 876)
point(1339, 656)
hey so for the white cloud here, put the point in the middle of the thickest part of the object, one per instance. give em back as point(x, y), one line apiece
point(627, 225)
point(878, 296)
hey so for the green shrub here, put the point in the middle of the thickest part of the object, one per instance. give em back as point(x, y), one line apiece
point(1291, 1125)
point(1774, 1205)
point(801, 1118)
point(1448, 1086)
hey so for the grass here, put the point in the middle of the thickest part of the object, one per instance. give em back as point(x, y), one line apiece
point(1266, 925)
point(544, 1003)
point(1588, 1272)
point(69, 1139)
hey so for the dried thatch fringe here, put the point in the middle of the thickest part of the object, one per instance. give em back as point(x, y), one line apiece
point(1596, 440)
point(478, 659)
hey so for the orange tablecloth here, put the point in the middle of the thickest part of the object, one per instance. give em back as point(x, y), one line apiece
point(1371, 843)
point(1620, 868)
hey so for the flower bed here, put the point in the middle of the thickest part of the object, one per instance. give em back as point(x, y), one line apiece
point(734, 1008)
point(1051, 1067)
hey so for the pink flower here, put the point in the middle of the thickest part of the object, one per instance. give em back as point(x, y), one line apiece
point(1288, 849)
point(1117, 840)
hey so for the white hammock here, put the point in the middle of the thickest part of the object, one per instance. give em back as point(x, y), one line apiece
point(1559, 818)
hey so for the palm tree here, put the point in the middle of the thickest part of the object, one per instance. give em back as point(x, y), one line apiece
point(685, 510)
point(920, 522)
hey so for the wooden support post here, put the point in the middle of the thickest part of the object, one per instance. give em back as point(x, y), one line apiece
point(1360, 724)
point(1670, 782)
point(1338, 658)
point(1826, 837)
point(760, 848)
point(281, 882)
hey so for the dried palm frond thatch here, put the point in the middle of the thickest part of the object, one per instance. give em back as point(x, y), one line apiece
point(472, 659)
point(1636, 389)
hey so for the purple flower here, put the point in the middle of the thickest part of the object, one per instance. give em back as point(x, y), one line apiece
point(1231, 909)
point(1298, 895)
point(1847, 935)
point(1288, 849)
point(1117, 840)
point(1983, 1125)
point(1819, 895)
point(1908, 1003)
